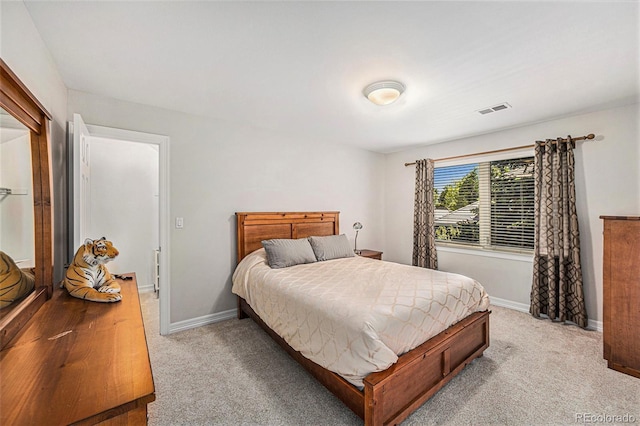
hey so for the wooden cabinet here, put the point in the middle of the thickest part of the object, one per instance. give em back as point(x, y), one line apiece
point(79, 362)
point(372, 254)
point(621, 293)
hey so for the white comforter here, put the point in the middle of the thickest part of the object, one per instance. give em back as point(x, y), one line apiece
point(355, 315)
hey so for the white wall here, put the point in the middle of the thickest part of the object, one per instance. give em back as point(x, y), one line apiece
point(218, 168)
point(124, 203)
point(16, 209)
point(24, 51)
point(607, 183)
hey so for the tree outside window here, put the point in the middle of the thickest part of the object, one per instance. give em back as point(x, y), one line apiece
point(487, 204)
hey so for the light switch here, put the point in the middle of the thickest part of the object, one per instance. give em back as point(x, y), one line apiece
point(179, 223)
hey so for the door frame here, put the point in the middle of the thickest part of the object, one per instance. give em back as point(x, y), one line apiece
point(164, 234)
point(79, 156)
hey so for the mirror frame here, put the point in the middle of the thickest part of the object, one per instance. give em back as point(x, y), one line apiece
point(18, 101)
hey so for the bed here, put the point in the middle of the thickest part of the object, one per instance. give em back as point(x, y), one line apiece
point(382, 397)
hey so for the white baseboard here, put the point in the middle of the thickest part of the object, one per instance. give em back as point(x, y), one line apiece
point(146, 289)
point(523, 307)
point(504, 303)
point(203, 320)
point(595, 325)
point(226, 315)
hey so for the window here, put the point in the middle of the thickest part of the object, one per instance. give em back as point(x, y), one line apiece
point(487, 204)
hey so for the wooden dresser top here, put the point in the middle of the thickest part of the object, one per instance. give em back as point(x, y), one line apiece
point(77, 361)
point(620, 217)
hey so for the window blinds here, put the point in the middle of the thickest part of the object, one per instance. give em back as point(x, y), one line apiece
point(487, 204)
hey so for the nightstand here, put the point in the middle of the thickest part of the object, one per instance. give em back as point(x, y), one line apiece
point(371, 254)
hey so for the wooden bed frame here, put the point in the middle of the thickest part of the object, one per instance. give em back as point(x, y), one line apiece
point(389, 396)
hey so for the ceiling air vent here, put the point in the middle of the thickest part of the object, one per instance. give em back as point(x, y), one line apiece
point(495, 108)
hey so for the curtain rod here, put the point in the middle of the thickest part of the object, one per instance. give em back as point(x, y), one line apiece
point(495, 151)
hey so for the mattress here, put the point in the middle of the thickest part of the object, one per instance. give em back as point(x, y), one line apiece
point(355, 315)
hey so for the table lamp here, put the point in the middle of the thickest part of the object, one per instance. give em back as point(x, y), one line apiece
point(357, 226)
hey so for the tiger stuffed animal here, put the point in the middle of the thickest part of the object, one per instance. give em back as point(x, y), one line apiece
point(87, 278)
point(14, 282)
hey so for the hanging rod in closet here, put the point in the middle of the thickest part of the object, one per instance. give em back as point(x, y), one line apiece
point(515, 148)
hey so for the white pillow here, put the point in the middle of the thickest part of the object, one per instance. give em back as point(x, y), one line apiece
point(331, 247)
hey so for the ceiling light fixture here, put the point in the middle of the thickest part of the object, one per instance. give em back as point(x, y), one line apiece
point(383, 92)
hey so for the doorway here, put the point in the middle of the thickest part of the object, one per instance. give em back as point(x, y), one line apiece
point(119, 189)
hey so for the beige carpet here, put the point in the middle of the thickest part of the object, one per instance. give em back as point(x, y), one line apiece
point(534, 373)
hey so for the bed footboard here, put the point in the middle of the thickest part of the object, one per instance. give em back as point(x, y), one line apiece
point(390, 396)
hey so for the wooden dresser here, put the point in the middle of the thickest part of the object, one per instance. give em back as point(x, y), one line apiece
point(79, 362)
point(621, 293)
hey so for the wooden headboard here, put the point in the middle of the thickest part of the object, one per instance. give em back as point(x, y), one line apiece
point(254, 227)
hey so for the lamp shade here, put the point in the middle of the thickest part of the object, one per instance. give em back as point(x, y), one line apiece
point(383, 92)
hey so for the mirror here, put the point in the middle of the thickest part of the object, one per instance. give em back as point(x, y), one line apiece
point(17, 225)
point(26, 221)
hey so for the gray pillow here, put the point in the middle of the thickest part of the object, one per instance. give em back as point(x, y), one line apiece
point(282, 253)
point(331, 247)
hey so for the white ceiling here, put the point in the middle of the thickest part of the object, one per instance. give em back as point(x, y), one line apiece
point(300, 67)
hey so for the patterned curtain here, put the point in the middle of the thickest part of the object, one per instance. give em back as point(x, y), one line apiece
point(424, 238)
point(557, 276)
